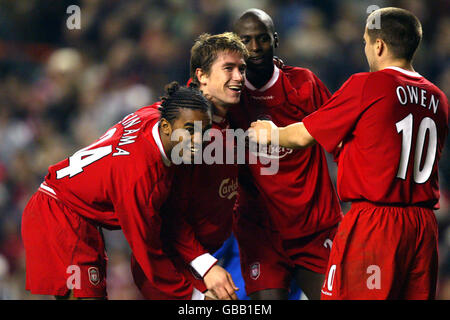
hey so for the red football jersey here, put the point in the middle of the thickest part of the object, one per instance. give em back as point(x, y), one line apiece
point(197, 217)
point(300, 197)
point(121, 181)
point(393, 124)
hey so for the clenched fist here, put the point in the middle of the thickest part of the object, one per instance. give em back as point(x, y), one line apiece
point(262, 131)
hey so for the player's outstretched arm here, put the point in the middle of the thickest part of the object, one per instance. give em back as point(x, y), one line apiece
point(294, 136)
point(219, 282)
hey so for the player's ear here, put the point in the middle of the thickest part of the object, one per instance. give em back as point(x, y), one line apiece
point(166, 127)
point(380, 47)
point(275, 40)
point(201, 76)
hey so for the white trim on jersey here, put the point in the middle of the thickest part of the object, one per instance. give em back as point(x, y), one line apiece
point(197, 295)
point(44, 188)
point(269, 84)
point(47, 188)
point(409, 73)
point(156, 136)
point(203, 263)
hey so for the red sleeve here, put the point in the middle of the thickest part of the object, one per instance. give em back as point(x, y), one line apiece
point(179, 234)
point(332, 123)
point(182, 236)
point(321, 96)
point(310, 91)
point(320, 91)
point(141, 224)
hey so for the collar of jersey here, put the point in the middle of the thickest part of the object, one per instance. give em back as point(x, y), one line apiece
point(408, 73)
point(270, 83)
point(157, 137)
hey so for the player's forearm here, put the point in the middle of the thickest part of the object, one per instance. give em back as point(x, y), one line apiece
point(294, 136)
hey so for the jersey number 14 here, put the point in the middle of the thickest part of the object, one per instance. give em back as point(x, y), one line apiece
point(86, 156)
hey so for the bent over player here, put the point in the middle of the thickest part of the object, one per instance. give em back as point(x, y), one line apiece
point(118, 182)
point(392, 123)
point(197, 217)
point(285, 223)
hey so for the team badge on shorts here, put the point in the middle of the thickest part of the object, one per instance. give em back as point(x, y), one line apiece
point(94, 275)
point(255, 270)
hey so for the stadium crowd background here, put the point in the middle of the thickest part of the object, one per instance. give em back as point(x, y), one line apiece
point(60, 89)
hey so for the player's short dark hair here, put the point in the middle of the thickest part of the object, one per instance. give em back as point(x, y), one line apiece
point(206, 47)
point(259, 15)
point(398, 28)
point(178, 97)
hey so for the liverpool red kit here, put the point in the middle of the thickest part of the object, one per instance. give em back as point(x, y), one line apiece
point(393, 124)
point(197, 216)
point(297, 208)
point(119, 181)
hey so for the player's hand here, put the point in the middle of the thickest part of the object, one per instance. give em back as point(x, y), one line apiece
point(220, 283)
point(261, 131)
point(210, 296)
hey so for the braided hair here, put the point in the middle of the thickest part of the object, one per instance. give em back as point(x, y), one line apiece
point(182, 97)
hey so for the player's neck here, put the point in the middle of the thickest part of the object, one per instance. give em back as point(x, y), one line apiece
point(399, 63)
point(220, 110)
point(258, 78)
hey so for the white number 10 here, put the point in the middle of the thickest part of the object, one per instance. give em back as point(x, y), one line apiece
point(405, 126)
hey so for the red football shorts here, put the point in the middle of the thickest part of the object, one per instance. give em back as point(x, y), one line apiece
point(63, 250)
point(382, 252)
point(151, 292)
point(268, 262)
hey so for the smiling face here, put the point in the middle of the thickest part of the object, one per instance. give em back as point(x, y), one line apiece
point(259, 40)
point(225, 80)
point(186, 131)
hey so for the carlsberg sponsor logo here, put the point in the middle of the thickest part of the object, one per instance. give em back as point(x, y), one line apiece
point(228, 188)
